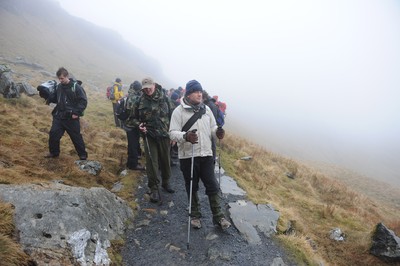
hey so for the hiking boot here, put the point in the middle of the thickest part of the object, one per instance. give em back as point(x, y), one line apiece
point(83, 158)
point(154, 196)
point(195, 222)
point(168, 189)
point(50, 155)
point(224, 223)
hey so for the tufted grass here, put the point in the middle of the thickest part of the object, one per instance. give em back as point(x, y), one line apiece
point(314, 202)
point(311, 201)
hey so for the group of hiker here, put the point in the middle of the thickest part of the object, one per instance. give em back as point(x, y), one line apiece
point(184, 118)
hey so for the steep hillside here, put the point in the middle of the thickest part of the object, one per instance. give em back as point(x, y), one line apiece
point(42, 32)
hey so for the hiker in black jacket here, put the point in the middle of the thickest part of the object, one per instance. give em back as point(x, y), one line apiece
point(71, 102)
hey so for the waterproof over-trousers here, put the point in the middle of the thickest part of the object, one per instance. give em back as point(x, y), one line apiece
point(133, 136)
point(159, 158)
point(116, 120)
point(73, 128)
point(203, 169)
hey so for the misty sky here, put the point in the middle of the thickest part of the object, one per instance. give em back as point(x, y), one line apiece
point(317, 80)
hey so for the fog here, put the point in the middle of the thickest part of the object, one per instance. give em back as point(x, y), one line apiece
point(312, 80)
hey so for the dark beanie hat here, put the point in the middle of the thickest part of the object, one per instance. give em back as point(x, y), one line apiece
point(117, 80)
point(193, 86)
point(136, 85)
point(175, 96)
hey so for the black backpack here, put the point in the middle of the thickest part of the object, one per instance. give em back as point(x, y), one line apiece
point(47, 88)
point(121, 112)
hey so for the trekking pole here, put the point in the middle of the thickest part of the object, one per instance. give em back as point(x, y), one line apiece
point(219, 166)
point(190, 195)
point(151, 160)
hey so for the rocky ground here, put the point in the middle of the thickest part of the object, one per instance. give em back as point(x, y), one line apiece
point(160, 234)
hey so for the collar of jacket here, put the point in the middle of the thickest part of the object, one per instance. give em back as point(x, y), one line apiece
point(157, 95)
point(185, 104)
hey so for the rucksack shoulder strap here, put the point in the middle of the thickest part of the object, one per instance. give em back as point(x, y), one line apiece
point(193, 119)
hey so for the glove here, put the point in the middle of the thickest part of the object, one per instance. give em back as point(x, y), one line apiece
point(220, 133)
point(192, 137)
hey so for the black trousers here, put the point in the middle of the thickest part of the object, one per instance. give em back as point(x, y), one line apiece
point(73, 128)
point(116, 120)
point(203, 169)
point(133, 137)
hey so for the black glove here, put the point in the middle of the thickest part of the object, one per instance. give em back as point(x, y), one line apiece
point(220, 133)
point(192, 137)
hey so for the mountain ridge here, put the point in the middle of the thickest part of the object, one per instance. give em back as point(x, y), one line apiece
point(43, 28)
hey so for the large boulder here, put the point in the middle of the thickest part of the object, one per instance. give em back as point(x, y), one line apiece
point(23, 87)
point(7, 86)
point(385, 244)
point(59, 224)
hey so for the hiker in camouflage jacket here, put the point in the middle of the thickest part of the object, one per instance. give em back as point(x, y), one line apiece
point(132, 129)
point(152, 113)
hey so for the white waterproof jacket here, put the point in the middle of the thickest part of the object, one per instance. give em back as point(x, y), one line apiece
point(206, 128)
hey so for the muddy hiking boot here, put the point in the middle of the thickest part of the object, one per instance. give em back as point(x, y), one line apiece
point(196, 223)
point(154, 197)
point(224, 223)
point(168, 189)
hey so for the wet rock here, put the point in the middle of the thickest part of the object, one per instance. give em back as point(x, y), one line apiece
point(211, 236)
point(229, 186)
point(92, 167)
point(56, 222)
point(25, 88)
point(290, 175)
point(214, 254)
point(385, 244)
point(7, 85)
point(144, 222)
point(336, 234)
point(291, 228)
point(278, 262)
point(117, 187)
point(247, 216)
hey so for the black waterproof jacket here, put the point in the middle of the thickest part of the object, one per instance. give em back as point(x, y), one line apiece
point(70, 99)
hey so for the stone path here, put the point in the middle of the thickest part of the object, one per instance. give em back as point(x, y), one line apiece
point(160, 233)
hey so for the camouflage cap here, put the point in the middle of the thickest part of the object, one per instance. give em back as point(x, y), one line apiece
point(147, 83)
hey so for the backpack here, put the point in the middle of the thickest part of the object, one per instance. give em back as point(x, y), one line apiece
point(47, 88)
point(110, 93)
point(220, 119)
point(121, 111)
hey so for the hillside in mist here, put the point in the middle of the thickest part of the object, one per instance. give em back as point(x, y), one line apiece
point(41, 32)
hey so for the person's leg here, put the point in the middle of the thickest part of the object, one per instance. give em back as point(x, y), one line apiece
point(116, 120)
point(165, 166)
point(150, 149)
point(211, 185)
point(136, 143)
point(185, 165)
point(132, 152)
point(55, 135)
point(73, 129)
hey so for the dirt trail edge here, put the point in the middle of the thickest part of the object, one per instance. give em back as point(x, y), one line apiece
point(159, 234)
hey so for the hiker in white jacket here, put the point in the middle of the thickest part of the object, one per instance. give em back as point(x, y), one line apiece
point(197, 133)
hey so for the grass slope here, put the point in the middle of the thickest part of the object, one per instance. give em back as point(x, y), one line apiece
point(313, 203)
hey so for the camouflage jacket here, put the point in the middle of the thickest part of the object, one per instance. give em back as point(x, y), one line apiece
point(130, 102)
point(155, 111)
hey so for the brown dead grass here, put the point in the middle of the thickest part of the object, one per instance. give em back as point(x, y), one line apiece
point(26, 122)
point(313, 202)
